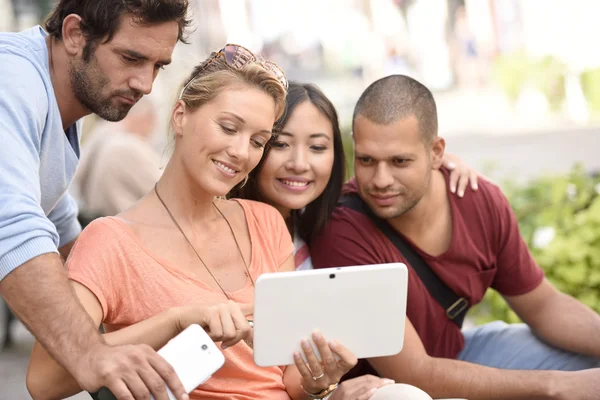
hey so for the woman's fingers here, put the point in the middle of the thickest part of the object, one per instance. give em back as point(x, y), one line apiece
point(215, 328)
point(347, 360)
point(464, 173)
point(229, 331)
point(241, 322)
point(448, 161)
point(225, 322)
point(303, 369)
point(454, 175)
point(327, 358)
point(314, 364)
point(241, 325)
point(473, 179)
point(462, 177)
point(247, 309)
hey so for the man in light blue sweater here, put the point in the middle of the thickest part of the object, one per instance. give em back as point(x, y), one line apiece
point(98, 57)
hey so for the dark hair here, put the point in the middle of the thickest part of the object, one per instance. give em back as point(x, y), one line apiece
point(101, 18)
point(394, 97)
point(317, 213)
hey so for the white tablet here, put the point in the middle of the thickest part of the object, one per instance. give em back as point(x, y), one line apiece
point(362, 307)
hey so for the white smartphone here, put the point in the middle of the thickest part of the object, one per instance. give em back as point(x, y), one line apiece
point(193, 355)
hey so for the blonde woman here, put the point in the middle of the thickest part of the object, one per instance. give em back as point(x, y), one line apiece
point(181, 255)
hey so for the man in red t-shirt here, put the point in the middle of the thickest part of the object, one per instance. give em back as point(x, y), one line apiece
point(471, 244)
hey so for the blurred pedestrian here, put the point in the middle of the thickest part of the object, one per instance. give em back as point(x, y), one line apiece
point(118, 165)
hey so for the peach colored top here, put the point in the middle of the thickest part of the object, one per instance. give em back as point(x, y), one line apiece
point(132, 284)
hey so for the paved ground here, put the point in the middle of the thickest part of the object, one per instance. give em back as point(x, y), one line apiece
point(525, 156)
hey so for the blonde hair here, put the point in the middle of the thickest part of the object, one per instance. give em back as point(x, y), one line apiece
point(207, 81)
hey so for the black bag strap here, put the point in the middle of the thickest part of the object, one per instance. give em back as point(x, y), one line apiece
point(456, 306)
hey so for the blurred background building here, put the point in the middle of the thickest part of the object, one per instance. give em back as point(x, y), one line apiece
point(517, 84)
point(497, 67)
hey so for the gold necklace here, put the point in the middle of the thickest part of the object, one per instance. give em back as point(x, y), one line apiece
point(194, 249)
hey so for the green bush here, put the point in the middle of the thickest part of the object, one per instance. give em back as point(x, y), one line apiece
point(547, 75)
point(570, 206)
point(514, 72)
point(590, 83)
point(510, 72)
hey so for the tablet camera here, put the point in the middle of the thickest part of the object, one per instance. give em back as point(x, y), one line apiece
point(204, 347)
point(331, 276)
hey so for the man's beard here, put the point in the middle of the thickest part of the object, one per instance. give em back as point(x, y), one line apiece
point(410, 200)
point(88, 81)
point(399, 210)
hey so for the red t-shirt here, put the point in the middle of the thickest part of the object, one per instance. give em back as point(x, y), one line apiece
point(486, 250)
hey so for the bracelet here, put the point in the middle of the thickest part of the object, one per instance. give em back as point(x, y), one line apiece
point(322, 394)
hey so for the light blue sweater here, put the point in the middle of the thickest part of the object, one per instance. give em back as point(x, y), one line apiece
point(37, 157)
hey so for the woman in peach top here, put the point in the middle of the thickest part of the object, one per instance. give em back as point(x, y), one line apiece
point(182, 255)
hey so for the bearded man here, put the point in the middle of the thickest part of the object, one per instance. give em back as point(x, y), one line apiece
point(92, 57)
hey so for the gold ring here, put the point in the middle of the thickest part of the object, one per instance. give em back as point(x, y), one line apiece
point(316, 378)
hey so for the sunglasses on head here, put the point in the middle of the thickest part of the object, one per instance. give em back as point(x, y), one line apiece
point(237, 57)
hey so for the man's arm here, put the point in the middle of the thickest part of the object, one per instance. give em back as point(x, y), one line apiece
point(545, 308)
point(517, 274)
point(441, 377)
point(48, 380)
point(520, 280)
point(40, 295)
point(33, 280)
point(32, 277)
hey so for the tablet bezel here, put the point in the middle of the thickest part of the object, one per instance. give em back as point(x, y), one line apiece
point(331, 300)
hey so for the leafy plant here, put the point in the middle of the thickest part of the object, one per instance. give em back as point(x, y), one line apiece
point(517, 71)
point(510, 72)
point(590, 83)
point(547, 75)
point(566, 210)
